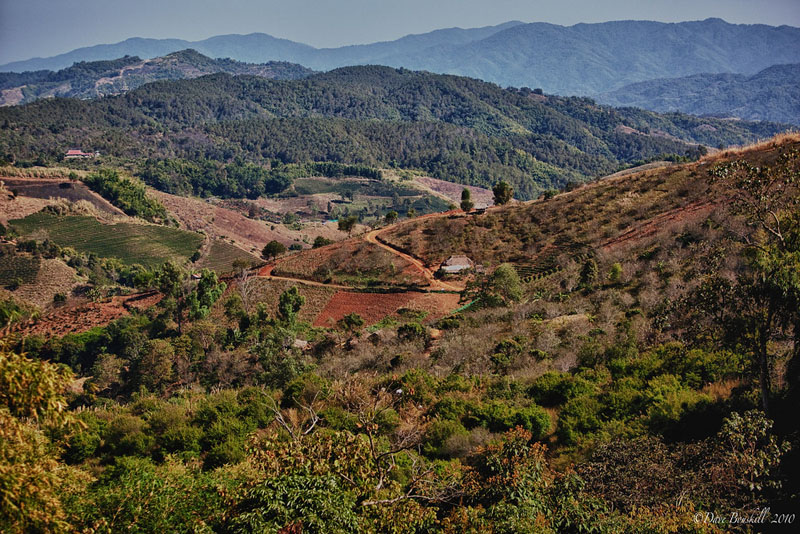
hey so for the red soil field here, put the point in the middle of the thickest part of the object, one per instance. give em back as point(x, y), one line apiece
point(372, 307)
point(76, 318)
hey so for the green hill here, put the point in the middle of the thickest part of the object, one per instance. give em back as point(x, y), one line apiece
point(100, 78)
point(454, 128)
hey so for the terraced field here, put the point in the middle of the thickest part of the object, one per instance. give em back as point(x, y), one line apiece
point(269, 291)
point(22, 267)
point(221, 255)
point(353, 263)
point(146, 244)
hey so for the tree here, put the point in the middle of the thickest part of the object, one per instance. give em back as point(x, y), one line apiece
point(32, 480)
point(505, 282)
point(347, 224)
point(273, 249)
point(391, 217)
point(589, 273)
point(411, 213)
point(320, 241)
point(500, 289)
point(615, 273)
point(351, 322)
point(205, 294)
point(502, 192)
point(170, 279)
point(289, 304)
point(466, 201)
point(767, 296)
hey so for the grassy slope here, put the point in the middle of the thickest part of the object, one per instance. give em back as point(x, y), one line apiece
point(606, 214)
point(148, 245)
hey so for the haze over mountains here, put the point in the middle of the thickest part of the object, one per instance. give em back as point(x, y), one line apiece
point(584, 59)
point(772, 94)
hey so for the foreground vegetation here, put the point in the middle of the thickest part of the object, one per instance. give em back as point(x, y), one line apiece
point(642, 382)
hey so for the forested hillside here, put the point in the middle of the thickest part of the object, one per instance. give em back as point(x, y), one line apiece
point(772, 95)
point(100, 78)
point(454, 128)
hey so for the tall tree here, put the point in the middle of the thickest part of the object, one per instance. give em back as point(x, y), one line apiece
point(768, 294)
point(466, 201)
point(289, 304)
point(502, 192)
point(348, 224)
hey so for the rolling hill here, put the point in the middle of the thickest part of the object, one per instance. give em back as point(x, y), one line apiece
point(453, 128)
point(101, 78)
point(772, 94)
point(583, 59)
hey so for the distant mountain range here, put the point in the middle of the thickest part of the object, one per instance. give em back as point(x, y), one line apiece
point(100, 78)
point(584, 59)
point(772, 94)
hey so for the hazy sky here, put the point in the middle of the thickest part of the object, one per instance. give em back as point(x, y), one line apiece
point(31, 28)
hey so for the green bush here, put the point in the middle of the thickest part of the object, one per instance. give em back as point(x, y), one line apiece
point(413, 332)
point(579, 417)
point(128, 195)
point(555, 389)
point(500, 417)
point(438, 433)
point(450, 408)
point(319, 503)
point(338, 419)
point(125, 436)
point(182, 438)
point(229, 451)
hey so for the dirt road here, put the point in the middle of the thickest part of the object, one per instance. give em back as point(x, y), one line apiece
point(372, 238)
point(433, 283)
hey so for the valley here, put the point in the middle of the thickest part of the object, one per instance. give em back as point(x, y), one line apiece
point(243, 296)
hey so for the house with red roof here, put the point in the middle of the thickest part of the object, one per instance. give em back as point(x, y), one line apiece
point(76, 153)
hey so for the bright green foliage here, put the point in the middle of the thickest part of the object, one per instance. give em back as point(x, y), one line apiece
point(205, 294)
point(503, 286)
point(320, 504)
point(135, 495)
point(289, 304)
point(128, 195)
point(615, 273)
point(33, 483)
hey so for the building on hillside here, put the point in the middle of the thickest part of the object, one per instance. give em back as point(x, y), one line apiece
point(77, 153)
point(456, 264)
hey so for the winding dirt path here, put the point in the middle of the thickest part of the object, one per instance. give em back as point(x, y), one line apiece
point(372, 237)
point(266, 272)
point(433, 283)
